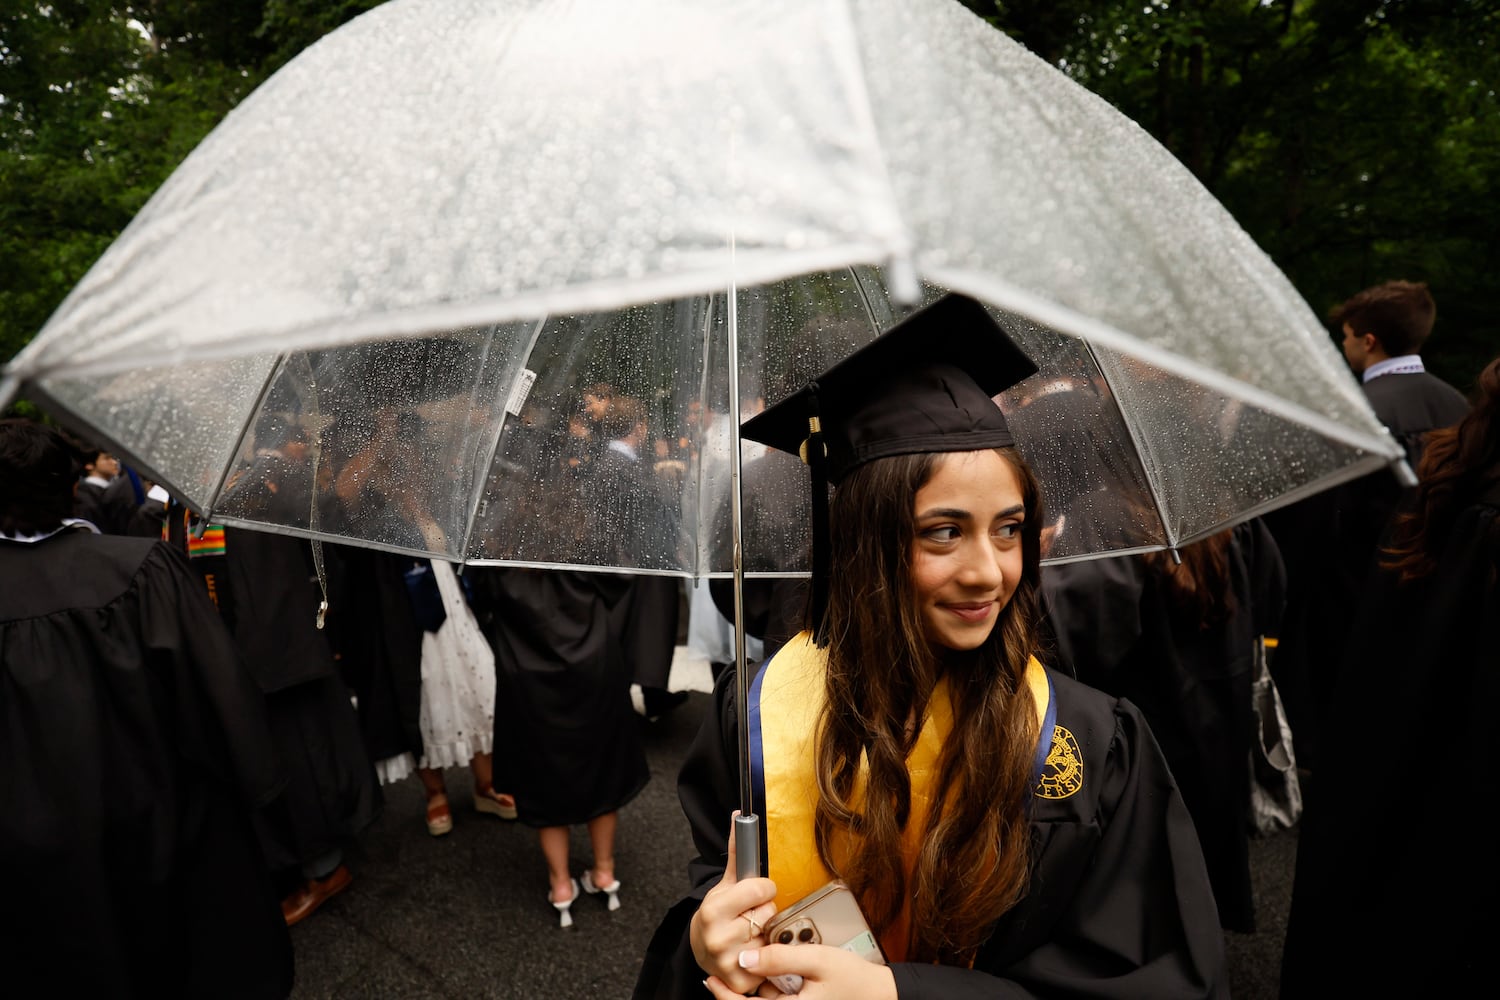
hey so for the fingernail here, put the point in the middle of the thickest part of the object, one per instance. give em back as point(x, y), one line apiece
point(749, 958)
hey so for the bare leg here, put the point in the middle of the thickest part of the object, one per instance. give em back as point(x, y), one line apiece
point(484, 775)
point(432, 783)
point(602, 837)
point(555, 849)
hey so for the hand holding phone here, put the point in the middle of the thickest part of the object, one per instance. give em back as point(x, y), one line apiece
point(829, 916)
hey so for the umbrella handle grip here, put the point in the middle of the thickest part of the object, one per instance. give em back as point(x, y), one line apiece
point(747, 847)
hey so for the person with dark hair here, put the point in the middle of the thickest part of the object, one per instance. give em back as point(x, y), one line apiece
point(773, 608)
point(1003, 829)
point(113, 499)
point(1330, 540)
point(1384, 328)
point(100, 470)
point(567, 743)
point(134, 748)
point(1386, 902)
point(1176, 638)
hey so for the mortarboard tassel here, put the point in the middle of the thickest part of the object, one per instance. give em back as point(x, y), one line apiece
point(816, 457)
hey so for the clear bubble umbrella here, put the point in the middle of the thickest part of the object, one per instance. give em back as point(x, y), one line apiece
point(374, 304)
point(578, 190)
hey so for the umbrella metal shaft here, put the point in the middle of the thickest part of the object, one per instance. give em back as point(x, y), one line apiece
point(746, 823)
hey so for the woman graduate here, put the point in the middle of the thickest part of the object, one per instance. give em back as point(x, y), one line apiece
point(1006, 832)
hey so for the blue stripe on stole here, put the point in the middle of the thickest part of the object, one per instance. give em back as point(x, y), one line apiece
point(1044, 737)
point(758, 763)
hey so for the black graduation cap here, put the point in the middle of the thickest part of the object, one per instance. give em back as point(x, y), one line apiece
point(925, 385)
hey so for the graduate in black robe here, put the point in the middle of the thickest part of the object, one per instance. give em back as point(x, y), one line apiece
point(567, 742)
point(1330, 540)
point(773, 607)
point(1119, 904)
point(1004, 830)
point(1394, 895)
point(1182, 654)
point(379, 646)
point(266, 589)
point(636, 525)
point(133, 750)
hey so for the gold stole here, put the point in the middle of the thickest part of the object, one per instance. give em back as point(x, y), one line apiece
point(791, 698)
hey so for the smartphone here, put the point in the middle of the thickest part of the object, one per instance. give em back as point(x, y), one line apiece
point(830, 916)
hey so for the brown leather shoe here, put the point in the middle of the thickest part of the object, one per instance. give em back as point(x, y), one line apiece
point(314, 893)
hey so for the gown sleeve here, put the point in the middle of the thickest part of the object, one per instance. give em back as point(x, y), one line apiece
point(183, 631)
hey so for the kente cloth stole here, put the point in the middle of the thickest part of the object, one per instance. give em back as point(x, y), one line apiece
point(206, 552)
point(785, 700)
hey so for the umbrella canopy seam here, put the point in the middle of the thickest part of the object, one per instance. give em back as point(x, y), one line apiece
point(1142, 450)
point(1377, 439)
point(487, 466)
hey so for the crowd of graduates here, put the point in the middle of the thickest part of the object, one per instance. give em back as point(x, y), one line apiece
point(310, 673)
point(182, 700)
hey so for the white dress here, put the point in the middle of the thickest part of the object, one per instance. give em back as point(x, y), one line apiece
point(458, 687)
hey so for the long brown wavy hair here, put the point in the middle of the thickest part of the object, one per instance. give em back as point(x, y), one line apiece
point(1459, 464)
point(973, 864)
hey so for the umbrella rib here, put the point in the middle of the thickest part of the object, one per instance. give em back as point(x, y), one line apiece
point(1141, 449)
point(697, 534)
point(245, 428)
point(864, 300)
point(494, 445)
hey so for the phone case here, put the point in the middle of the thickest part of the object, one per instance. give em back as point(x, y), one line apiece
point(830, 916)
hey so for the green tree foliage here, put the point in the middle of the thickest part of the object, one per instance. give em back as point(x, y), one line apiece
point(1356, 140)
point(99, 101)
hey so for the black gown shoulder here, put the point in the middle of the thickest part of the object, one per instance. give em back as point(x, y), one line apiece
point(136, 746)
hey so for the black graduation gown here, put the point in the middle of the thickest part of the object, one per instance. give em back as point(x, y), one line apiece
point(88, 504)
point(379, 646)
point(774, 608)
point(1119, 903)
point(567, 741)
point(1116, 628)
point(133, 748)
point(637, 525)
point(1397, 876)
point(1412, 404)
point(331, 792)
point(645, 620)
point(1330, 542)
